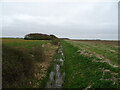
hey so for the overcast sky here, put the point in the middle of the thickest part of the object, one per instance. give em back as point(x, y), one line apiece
point(78, 19)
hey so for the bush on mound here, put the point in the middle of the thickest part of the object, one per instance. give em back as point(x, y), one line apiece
point(39, 36)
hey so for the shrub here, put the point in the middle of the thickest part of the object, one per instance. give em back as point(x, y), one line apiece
point(39, 36)
point(55, 42)
point(17, 67)
point(53, 37)
point(38, 53)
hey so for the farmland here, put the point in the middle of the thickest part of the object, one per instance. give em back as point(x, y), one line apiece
point(91, 64)
point(72, 64)
point(102, 49)
point(26, 62)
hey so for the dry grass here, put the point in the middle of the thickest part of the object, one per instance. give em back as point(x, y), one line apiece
point(93, 54)
point(25, 63)
point(106, 51)
point(42, 67)
point(17, 67)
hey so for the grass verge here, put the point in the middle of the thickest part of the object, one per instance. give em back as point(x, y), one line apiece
point(82, 72)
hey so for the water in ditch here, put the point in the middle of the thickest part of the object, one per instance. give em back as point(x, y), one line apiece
point(56, 76)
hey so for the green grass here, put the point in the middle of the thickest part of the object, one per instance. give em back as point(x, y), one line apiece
point(107, 50)
point(24, 43)
point(81, 72)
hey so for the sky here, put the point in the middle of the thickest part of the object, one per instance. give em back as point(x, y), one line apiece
point(75, 19)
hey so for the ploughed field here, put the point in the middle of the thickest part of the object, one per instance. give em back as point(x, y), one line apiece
point(91, 64)
point(26, 63)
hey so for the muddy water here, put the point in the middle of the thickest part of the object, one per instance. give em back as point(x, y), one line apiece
point(56, 77)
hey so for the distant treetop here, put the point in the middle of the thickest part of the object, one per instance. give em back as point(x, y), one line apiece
point(39, 36)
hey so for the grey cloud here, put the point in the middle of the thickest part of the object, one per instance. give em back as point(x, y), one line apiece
point(74, 20)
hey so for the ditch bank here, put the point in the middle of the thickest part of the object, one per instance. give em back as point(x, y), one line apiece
point(57, 75)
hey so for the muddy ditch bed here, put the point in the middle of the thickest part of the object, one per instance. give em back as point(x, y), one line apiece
point(57, 74)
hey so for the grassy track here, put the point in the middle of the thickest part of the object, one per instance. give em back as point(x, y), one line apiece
point(82, 72)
